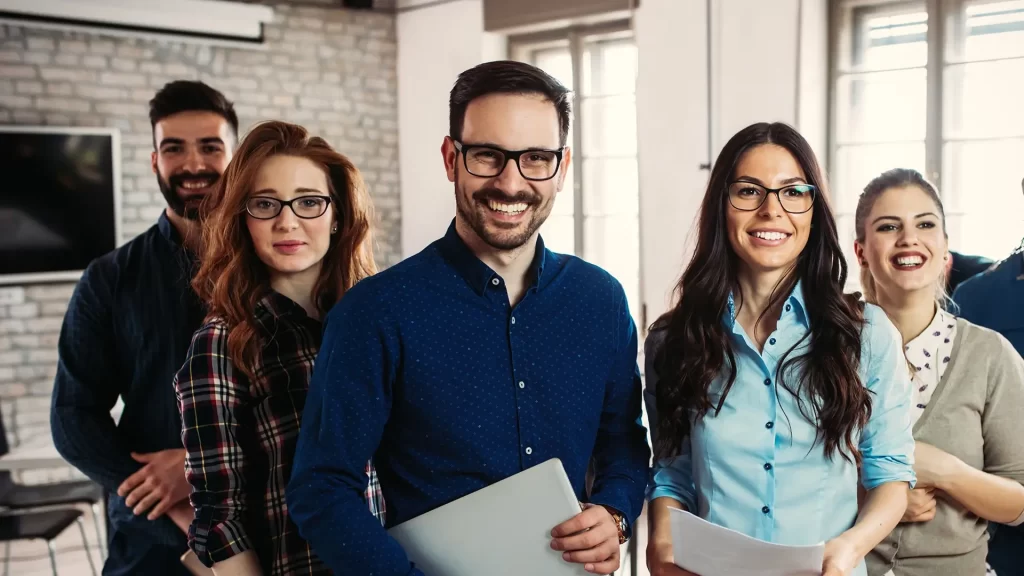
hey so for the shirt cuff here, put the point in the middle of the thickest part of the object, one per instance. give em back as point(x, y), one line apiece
point(218, 542)
point(878, 471)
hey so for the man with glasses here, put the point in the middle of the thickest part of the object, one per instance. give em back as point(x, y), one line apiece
point(481, 356)
point(995, 299)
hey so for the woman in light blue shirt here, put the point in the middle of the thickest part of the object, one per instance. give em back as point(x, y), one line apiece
point(770, 393)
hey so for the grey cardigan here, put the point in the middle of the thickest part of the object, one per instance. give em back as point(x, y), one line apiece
point(976, 414)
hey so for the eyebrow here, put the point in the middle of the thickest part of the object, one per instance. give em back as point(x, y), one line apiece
point(207, 140)
point(493, 145)
point(297, 191)
point(921, 215)
point(786, 182)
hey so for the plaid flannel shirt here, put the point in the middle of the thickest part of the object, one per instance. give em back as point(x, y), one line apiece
point(240, 438)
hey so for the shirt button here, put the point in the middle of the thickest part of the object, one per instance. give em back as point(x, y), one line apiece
point(495, 281)
point(513, 319)
point(770, 425)
point(767, 381)
point(771, 342)
point(788, 307)
point(529, 450)
point(765, 509)
point(522, 384)
point(767, 466)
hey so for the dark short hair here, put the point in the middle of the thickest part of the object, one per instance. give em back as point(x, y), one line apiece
point(507, 77)
point(188, 96)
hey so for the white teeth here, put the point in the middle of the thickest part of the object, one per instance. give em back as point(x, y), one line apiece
point(770, 235)
point(506, 208)
point(195, 184)
point(909, 261)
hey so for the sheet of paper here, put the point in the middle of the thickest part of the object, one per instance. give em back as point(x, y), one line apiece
point(710, 550)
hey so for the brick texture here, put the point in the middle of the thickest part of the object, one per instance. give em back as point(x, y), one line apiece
point(329, 69)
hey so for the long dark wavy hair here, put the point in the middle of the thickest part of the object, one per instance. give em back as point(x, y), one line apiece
point(697, 348)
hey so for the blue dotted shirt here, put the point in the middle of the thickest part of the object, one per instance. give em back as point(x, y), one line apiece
point(427, 369)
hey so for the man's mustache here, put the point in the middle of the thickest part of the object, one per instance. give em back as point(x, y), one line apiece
point(485, 194)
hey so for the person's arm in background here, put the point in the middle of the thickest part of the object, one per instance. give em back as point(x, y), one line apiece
point(886, 447)
point(217, 433)
point(671, 482)
point(87, 387)
point(621, 458)
point(348, 405)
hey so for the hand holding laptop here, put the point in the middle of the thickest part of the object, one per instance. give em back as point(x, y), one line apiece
point(590, 538)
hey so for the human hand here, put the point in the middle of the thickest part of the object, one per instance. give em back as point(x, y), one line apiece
point(158, 485)
point(933, 466)
point(920, 505)
point(590, 538)
point(661, 562)
point(840, 559)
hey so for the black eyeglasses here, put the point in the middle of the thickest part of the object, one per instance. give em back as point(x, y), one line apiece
point(795, 199)
point(307, 207)
point(535, 164)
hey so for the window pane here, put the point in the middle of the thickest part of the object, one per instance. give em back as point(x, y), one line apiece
point(985, 30)
point(559, 234)
point(981, 182)
point(882, 106)
point(886, 37)
point(613, 243)
point(609, 126)
point(858, 165)
point(985, 99)
point(610, 67)
point(610, 187)
point(557, 62)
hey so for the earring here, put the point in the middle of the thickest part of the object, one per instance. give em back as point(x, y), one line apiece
point(334, 229)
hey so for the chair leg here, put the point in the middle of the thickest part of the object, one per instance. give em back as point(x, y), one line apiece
point(53, 555)
point(85, 543)
point(100, 540)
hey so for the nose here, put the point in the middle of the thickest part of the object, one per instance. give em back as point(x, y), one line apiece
point(771, 207)
point(907, 236)
point(194, 161)
point(286, 220)
point(510, 180)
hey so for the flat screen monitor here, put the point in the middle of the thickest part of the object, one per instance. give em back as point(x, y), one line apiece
point(60, 201)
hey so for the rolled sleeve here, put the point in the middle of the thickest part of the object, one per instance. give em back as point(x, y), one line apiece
point(216, 434)
point(670, 477)
point(887, 441)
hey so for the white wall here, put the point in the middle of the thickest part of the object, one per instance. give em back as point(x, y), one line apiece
point(765, 67)
point(436, 43)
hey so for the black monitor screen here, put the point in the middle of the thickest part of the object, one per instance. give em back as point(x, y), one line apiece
point(57, 201)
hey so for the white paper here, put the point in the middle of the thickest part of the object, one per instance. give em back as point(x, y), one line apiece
point(710, 550)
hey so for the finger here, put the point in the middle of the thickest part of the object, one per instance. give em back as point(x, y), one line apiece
point(586, 540)
point(140, 457)
point(578, 523)
point(140, 492)
point(607, 567)
point(148, 502)
point(600, 553)
point(160, 509)
point(131, 482)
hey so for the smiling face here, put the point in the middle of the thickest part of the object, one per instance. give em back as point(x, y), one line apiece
point(288, 244)
point(904, 246)
point(505, 211)
point(193, 150)
point(768, 239)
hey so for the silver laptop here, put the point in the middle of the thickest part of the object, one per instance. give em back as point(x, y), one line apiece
point(501, 530)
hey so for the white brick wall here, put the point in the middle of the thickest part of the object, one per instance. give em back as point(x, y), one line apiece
point(329, 69)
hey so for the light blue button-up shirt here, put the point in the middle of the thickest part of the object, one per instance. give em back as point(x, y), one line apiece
point(756, 466)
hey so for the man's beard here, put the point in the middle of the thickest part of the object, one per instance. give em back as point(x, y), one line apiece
point(191, 208)
point(474, 211)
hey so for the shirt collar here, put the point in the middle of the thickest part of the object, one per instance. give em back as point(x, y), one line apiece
point(278, 305)
point(937, 332)
point(167, 230)
point(794, 305)
point(479, 275)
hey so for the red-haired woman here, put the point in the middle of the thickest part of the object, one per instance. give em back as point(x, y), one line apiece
point(289, 234)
